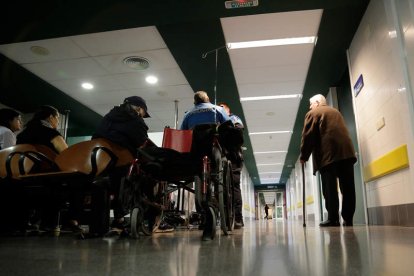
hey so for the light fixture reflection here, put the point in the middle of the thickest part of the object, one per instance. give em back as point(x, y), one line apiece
point(271, 132)
point(265, 152)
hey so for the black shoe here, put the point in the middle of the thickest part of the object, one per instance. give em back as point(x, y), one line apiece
point(238, 225)
point(328, 223)
point(348, 223)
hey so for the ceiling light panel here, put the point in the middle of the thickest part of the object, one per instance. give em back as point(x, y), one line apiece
point(271, 88)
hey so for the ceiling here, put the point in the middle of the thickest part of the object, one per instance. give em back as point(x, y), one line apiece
point(48, 49)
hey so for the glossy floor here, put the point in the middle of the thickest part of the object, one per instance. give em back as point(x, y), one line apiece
point(260, 248)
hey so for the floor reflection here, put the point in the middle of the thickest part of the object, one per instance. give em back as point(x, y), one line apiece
point(260, 248)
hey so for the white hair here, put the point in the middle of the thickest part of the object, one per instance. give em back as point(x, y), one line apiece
point(318, 99)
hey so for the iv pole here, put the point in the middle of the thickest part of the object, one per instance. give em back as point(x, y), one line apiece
point(204, 56)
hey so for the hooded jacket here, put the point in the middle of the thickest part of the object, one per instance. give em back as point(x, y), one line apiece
point(123, 126)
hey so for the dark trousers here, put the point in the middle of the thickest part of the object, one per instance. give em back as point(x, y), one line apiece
point(343, 171)
point(238, 203)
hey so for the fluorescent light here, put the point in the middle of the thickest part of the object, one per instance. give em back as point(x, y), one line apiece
point(87, 85)
point(269, 164)
point(271, 132)
point(151, 79)
point(270, 173)
point(272, 42)
point(275, 97)
point(264, 152)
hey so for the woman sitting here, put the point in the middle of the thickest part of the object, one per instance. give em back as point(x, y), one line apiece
point(42, 130)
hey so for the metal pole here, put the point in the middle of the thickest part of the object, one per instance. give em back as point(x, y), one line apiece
point(176, 114)
point(65, 130)
point(304, 196)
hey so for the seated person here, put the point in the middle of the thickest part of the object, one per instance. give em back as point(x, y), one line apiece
point(42, 130)
point(10, 122)
point(125, 126)
point(203, 113)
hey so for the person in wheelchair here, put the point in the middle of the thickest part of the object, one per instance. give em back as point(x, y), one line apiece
point(203, 112)
point(125, 126)
point(232, 139)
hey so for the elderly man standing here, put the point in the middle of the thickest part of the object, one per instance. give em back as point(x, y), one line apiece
point(326, 137)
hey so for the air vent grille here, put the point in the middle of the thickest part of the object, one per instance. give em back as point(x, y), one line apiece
point(136, 63)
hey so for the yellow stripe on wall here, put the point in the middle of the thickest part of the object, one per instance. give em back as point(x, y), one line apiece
point(309, 200)
point(394, 160)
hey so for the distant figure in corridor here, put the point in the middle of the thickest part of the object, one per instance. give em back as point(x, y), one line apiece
point(266, 212)
point(326, 137)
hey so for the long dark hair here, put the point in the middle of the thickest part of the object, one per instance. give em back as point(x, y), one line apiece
point(42, 114)
point(7, 115)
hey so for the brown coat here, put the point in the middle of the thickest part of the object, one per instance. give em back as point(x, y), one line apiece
point(325, 136)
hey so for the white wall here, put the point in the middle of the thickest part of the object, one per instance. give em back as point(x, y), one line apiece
point(378, 54)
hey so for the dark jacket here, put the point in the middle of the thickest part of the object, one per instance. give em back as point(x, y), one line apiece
point(326, 137)
point(123, 126)
point(36, 133)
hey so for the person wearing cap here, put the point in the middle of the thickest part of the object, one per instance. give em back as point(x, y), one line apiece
point(123, 125)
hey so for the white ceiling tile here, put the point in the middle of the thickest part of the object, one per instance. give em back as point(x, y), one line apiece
point(102, 83)
point(271, 56)
point(120, 41)
point(67, 69)
point(271, 25)
point(165, 78)
point(272, 74)
point(58, 48)
point(270, 88)
point(158, 59)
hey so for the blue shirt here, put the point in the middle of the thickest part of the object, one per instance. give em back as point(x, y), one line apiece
point(237, 122)
point(204, 113)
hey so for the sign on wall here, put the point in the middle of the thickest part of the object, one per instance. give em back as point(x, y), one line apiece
point(358, 85)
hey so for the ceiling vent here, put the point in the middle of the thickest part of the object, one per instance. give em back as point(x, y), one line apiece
point(39, 50)
point(136, 63)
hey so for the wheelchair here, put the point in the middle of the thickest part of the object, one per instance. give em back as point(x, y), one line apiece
point(202, 162)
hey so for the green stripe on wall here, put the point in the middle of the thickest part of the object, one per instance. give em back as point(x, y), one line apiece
point(394, 160)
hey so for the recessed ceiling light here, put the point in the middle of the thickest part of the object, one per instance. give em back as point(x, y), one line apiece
point(275, 151)
point(87, 85)
point(151, 79)
point(39, 50)
point(271, 132)
point(275, 97)
point(272, 42)
point(136, 63)
point(270, 113)
point(270, 173)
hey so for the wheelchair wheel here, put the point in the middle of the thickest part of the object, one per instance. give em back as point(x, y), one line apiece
point(210, 227)
point(138, 224)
